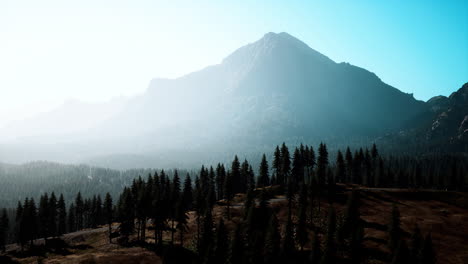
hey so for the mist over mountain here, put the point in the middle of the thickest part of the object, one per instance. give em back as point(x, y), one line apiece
point(273, 90)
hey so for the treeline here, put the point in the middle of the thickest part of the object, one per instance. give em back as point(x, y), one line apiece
point(161, 204)
point(35, 178)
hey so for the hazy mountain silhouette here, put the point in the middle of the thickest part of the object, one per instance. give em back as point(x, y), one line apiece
point(275, 89)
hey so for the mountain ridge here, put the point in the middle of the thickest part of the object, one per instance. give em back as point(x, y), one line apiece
point(272, 90)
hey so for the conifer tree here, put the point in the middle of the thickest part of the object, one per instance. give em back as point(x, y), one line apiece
point(302, 233)
point(263, 178)
point(251, 178)
point(285, 164)
point(244, 177)
point(62, 216)
point(311, 162)
point(297, 171)
point(222, 243)
point(187, 193)
point(349, 165)
point(126, 213)
point(277, 166)
point(249, 202)
point(109, 214)
point(328, 256)
point(79, 211)
point(228, 192)
point(272, 241)
point(175, 194)
point(236, 249)
point(44, 217)
point(288, 243)
point(19, 226)
point(4, 226)
point(220, 178)
point(182, 220)
point(322, 163)
point(340, 167)
point(207, 235)
point(235, 175)
point(71, 218)
point(52, 217)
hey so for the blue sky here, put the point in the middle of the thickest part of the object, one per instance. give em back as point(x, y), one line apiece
point(55, 50)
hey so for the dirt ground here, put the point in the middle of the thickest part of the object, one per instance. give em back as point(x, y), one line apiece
point(443, 214)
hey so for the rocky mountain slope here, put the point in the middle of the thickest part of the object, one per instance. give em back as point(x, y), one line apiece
point(273, 90)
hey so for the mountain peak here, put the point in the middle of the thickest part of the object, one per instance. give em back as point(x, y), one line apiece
point(270, 45)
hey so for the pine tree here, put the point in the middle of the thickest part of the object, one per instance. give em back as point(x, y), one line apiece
point(236, 249)
point(4, 226)
point(251, 178)
point(44, 217)
point(235, 175)
point(62, 216)
point(263, 178)
point(322, 163)
point(175, 194)
point(52, 217)
point(220, 178)
point(126, 213)
point(30, 220)
point(19, 227)
point(297, 170)
point(187, 193)
point(244, 177)
point(302, 233)
point(277, 166)
point(285, 164)
point(288, 243)
point(249, 202)
point(109, 214)
point(349, 165)
point(310, 162)
point(222, 243)
point(207, 235)
point(182, 220)
point(71, 218)
point(272, 241)
point(330, 250)
point(211, 197)
point(79, 209)
point(340, 167)
point(228, 192)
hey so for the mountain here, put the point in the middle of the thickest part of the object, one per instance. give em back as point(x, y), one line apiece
point(273, 90)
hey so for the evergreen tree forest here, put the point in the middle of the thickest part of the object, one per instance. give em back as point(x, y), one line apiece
point(155, 209)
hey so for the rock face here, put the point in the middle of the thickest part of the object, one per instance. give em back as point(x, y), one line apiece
point(451, 117)
point(273, 90)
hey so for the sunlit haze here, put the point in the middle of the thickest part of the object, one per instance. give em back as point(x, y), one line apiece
point(54, 51)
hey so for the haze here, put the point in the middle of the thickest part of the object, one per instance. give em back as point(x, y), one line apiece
point(53, 51)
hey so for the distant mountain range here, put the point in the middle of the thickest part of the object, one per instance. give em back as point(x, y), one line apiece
point(273, 90)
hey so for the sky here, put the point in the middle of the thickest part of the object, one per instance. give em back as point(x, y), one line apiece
point(53, 51)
